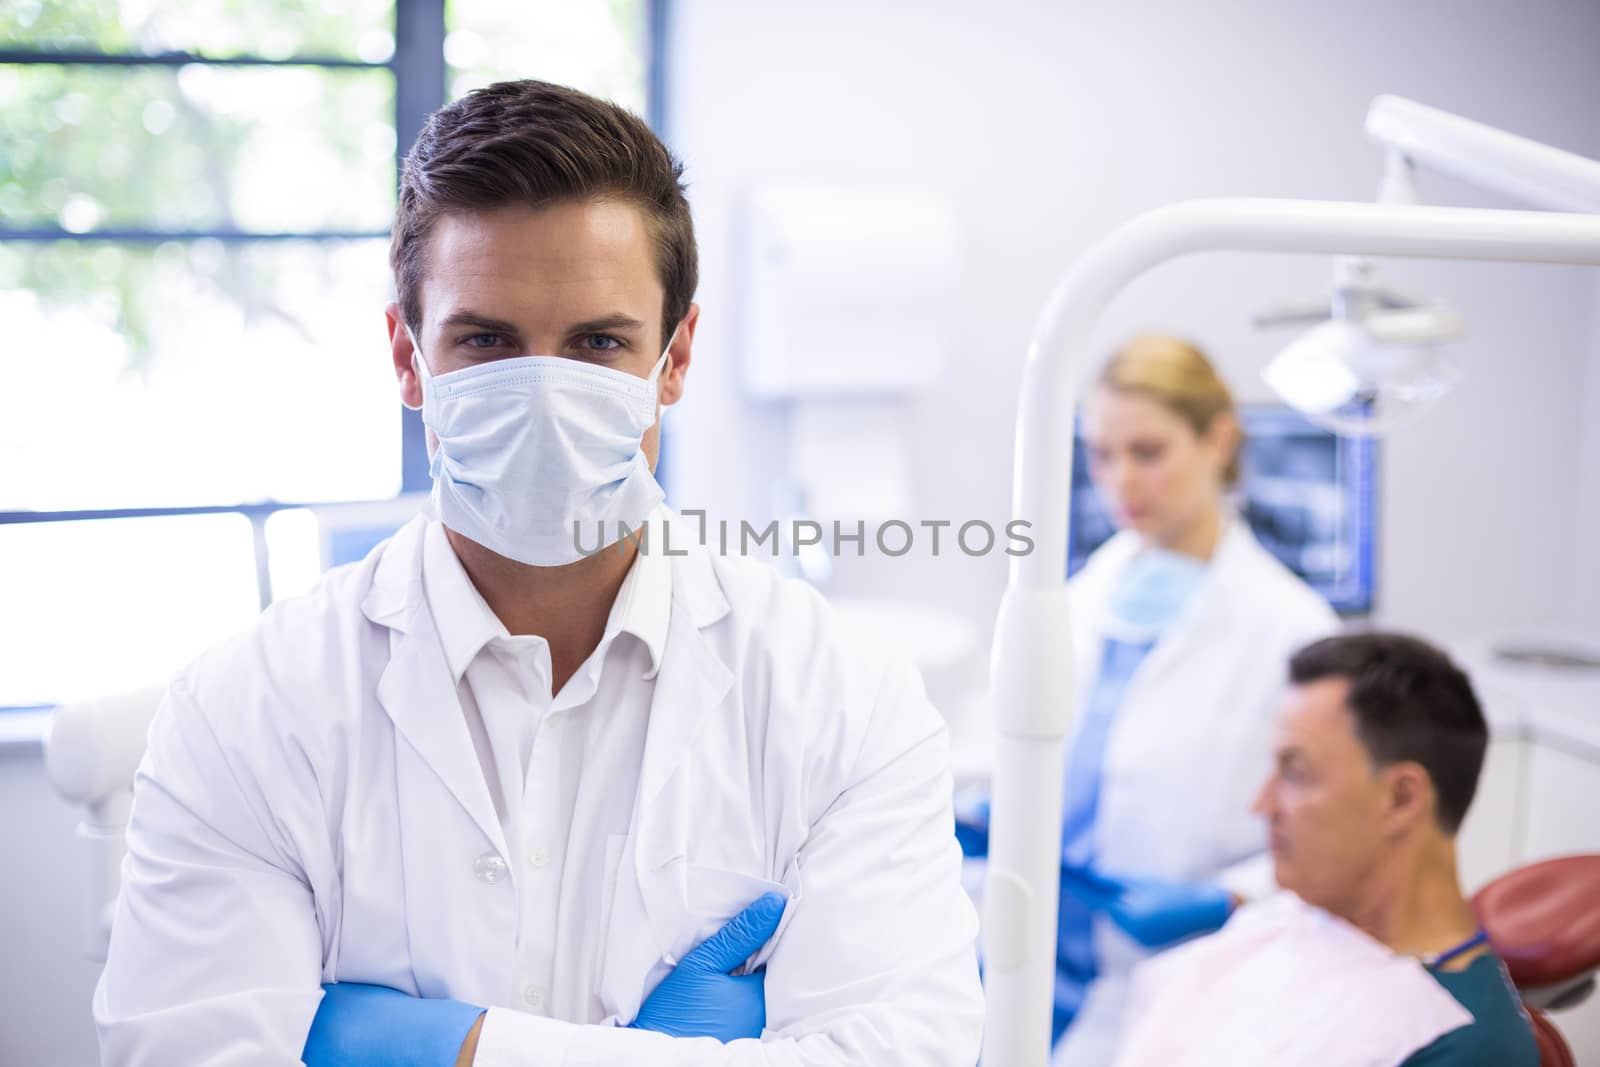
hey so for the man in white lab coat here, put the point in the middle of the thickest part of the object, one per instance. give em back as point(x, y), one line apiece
point(493, 765)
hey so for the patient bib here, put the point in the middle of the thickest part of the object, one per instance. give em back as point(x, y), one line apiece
point(1284, 983)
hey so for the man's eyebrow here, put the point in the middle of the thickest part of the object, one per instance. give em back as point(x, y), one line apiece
point(478, 322)
point(614, 321)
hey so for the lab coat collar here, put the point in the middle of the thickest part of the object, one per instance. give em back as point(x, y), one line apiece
point(1206, 611)
point(689, 693)
point(418, 692)
point(464, 619)
point(416, 688)
point(693, 677)
point(644, 603)
point(396, 587)
point(1235, 545)
point(1211, 606)
point(695, 585)
point(1228, 561)
point(688, 579)
point(466, 622)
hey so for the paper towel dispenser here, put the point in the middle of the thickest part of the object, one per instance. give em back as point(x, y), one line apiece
point(847, 290)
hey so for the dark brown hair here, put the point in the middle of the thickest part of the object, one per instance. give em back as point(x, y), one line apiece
point(1410, 704)
point(533, 143)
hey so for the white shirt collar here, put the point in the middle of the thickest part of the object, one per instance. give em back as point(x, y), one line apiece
point(466, 623)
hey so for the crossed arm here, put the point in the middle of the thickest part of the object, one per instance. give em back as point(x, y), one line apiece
point(218, 947)
point(373, 1026)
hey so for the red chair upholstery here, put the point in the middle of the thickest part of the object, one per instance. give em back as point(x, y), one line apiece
point(1544, 923)
point(1553, 1048)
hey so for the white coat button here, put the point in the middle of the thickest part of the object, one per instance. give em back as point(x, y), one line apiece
point(490, 868)
point(538, 859)
point(533, 996)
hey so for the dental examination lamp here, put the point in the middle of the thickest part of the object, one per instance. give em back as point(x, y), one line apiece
point(1382, 357)
point(1377, 340)
point(91, 755)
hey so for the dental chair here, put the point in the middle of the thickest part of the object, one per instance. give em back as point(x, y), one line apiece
point(1544, 923)
point(91, 755)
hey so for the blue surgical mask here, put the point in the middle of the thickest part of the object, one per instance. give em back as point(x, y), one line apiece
point(534, 449)
point(1150, 592)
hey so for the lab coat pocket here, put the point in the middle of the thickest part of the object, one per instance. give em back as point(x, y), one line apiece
point(713, 896)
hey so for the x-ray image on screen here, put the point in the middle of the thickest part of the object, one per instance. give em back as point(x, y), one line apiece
point(1309, 496)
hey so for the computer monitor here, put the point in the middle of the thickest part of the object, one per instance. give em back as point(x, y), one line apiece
point(1308, 494)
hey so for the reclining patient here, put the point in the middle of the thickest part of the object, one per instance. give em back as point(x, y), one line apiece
point(1373, 956)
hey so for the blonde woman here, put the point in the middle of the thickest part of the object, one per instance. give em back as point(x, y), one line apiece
point(1183, 628)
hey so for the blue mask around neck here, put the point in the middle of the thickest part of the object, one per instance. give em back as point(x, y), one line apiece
point(1150, 594)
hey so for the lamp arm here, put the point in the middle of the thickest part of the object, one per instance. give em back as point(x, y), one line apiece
point(1524, 170)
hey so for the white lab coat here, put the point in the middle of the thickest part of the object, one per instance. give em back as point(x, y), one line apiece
point(1191, 742)
point(311, 809)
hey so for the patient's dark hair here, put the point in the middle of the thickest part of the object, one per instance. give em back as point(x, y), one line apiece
point(1411, 704)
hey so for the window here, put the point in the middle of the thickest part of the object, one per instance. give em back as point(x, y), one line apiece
point(194, 212)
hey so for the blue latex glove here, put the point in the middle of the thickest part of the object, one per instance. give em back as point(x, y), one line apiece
point(375, 1026)
point(972, 824)
point(700, 998)
point(1153, 912)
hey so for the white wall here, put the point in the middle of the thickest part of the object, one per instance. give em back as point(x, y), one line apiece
point(45, 979)
point(1585, 606)
point(1049, 124)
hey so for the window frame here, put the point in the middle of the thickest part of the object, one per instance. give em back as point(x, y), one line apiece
point(420, 88)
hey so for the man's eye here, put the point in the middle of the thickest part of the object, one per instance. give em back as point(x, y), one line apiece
point(599, 342)
point(483, 340)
